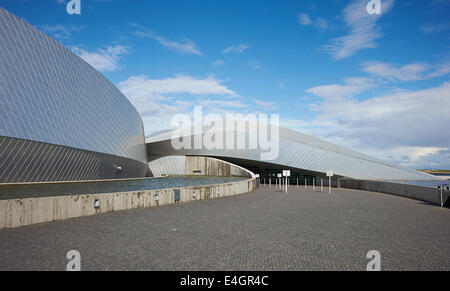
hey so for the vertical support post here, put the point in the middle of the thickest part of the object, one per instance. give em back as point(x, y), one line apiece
point(329, 185)
point(305, 183)
point(314, 184)
point(287, 183)
point(442, 203)
point(321, 185)
point(297, 182)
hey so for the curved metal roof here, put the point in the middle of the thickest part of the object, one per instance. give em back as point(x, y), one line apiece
point(298, 151)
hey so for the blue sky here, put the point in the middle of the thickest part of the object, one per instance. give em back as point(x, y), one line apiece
point(378, 84)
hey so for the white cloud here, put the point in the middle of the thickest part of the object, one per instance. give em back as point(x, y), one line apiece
point(104, 60)
point(351, 87)
point(321, 23)
point(393, 72)
point(266, 105)
point(429, 27)
point(219, 104)
point(304, 19)
point(177, 85)
point(60, 32)
point(409, 127)
point(218, 63)
point(255, 65)
point(237, 49)
point(416, 157)
point(363, 27)
point(187, 46)
point(409, 72)
point(441, 70)
point(157, 100)
point(417, 153)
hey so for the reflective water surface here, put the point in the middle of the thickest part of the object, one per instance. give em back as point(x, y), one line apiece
point(49, 190)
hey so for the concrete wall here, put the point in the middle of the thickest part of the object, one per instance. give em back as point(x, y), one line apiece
point(205, 166)
point(430, 195)
point(21, 212)
point(196, 166)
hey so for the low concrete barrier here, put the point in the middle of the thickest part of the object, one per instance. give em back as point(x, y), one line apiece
point(425, 194)
point(21, 212)
point(196, 166)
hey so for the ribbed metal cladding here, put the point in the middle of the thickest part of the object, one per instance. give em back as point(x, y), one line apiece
point(50, 95)
point(297, 151)
point(30, 161)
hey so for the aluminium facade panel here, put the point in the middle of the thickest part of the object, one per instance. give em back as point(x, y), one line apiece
point(50, 96)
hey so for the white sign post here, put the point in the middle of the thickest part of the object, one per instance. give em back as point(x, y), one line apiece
point(286, 173)
point(329, 175)
point(279, 180)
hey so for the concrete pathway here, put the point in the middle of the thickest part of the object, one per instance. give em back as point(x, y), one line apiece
point(263, 230)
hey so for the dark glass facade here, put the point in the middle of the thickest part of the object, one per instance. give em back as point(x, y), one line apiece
point(60, 119)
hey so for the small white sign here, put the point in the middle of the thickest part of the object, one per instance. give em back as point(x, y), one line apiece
point(286, 173)
point(279, 175)
point(330, 174)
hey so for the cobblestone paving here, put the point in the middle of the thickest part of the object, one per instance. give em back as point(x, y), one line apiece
point(263, 230)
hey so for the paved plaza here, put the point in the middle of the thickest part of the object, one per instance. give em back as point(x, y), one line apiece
point(262, 230)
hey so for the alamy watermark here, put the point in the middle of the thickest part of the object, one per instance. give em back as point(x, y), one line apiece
point(74, 263)
point(375, 261)
point(74, 260)
point(74, 7)
point(374, 7)
point(230, 132)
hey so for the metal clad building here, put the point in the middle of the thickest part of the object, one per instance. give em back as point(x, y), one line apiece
point(60, 119)
point(298, 152)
